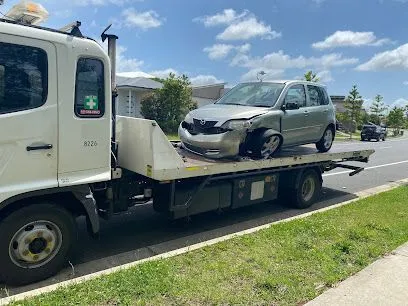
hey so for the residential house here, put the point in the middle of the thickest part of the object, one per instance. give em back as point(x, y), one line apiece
point(208, 94)
point(131, 91)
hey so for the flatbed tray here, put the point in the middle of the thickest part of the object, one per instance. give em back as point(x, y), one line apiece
point(145, 149)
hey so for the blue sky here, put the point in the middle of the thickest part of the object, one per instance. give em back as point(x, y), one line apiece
point(346, 42)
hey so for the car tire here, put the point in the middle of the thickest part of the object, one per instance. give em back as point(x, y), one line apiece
point(377, 139)
point(325, 143)
point(42, 230)
point(265, 144)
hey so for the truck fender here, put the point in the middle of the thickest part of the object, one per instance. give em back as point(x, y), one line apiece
point(84, 194)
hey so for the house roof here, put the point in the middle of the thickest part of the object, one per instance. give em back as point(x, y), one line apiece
point(135, 74)
point(139, 82)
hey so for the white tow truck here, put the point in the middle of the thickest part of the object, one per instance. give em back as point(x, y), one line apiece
point(64, 153)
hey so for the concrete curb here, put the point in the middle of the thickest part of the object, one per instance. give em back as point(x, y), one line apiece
point(360, 195)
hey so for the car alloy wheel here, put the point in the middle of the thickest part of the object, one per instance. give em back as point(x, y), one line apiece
point(270, 146)
point(328, 138)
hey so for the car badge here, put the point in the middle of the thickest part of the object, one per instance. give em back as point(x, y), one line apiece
point(202, 122)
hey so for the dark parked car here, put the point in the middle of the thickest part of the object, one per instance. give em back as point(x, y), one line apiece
point(372, 131)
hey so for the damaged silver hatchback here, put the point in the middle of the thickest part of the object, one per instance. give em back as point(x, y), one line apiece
point(257, 119)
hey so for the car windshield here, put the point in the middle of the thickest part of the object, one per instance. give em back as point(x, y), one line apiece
point(253, 94)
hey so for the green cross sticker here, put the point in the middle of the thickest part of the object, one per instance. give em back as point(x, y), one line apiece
point(91, 102)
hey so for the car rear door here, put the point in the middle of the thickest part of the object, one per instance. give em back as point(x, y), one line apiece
point(317, 112)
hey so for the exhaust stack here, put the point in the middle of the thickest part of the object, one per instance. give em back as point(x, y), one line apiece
point(112, 56)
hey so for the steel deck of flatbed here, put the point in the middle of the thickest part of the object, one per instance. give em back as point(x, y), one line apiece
point(145, 149)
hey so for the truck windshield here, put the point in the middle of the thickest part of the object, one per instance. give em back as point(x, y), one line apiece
point(253, 94)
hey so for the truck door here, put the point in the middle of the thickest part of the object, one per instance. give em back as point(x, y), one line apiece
point(84, 115)
point(28, 116)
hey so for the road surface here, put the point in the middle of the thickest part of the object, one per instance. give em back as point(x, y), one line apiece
point(141, 232)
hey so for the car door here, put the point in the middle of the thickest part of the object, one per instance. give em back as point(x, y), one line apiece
point(317, 108)
point(293, 120)
point(28, 116)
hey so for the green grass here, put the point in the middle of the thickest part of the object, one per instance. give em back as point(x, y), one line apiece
point(287, 264)
point(173, 137)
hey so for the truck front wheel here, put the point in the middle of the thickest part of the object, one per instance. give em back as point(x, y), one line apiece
point(35, 243)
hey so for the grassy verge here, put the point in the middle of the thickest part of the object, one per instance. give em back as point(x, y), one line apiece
point(287, 264)
point(173, 137)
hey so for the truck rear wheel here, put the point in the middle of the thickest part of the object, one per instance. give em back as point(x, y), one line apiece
point(35, 243)
point(307, 191)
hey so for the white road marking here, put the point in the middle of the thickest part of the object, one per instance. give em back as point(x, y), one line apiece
point(359, 195)
point(368, 168)
point(385, 147)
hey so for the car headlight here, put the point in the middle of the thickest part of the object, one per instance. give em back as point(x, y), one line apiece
point(188, 118)
point(237, 124)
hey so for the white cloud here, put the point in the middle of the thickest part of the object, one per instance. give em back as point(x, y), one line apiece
point(143, 20)
point(396, 59)
point(247, 29)
point(123, 63)
point(164, 73)
point(271, 74)
point(241, 26)
point(220, 51)
point(350, 39)
point(205, 80)
point(325, 76)
point(280, 60)
point(401, 102)
point(405, 83)
point(276, 63)
point(226, 17)
point(102, 2)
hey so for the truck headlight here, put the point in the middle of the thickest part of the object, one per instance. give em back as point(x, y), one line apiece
point(237, 124)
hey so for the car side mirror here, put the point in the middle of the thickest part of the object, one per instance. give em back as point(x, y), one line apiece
point(291, 105)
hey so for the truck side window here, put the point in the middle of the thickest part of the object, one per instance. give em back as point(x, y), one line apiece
point(23, 77)
point(89, 88)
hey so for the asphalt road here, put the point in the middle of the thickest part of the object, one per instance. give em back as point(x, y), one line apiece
point(141, 232)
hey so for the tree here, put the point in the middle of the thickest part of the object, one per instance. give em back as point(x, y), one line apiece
point(311, 77)
point(377, 109)
point(170, 104)
point(396, 119)
point(354, 106)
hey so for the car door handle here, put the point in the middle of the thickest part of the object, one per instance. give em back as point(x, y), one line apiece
point(39, 147)
point(325, 110)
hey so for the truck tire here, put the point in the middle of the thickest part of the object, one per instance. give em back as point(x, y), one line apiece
point(307, 190)
point(35, 243)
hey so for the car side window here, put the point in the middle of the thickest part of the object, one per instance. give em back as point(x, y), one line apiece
point(23, 77)
point(317, 96)
point(89, 88)
point(296, 93)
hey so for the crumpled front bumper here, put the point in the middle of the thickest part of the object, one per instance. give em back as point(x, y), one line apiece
point(213, 145)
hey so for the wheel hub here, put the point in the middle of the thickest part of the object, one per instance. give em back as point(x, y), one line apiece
point(328, 138)
point(308, 189)
point(35, 244)
point(270, 146)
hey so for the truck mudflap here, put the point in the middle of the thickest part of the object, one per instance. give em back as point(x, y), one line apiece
point(84, 194)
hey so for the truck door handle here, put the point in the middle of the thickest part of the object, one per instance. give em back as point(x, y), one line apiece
point(40, 147)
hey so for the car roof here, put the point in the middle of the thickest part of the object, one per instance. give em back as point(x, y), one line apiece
point(288, 82)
